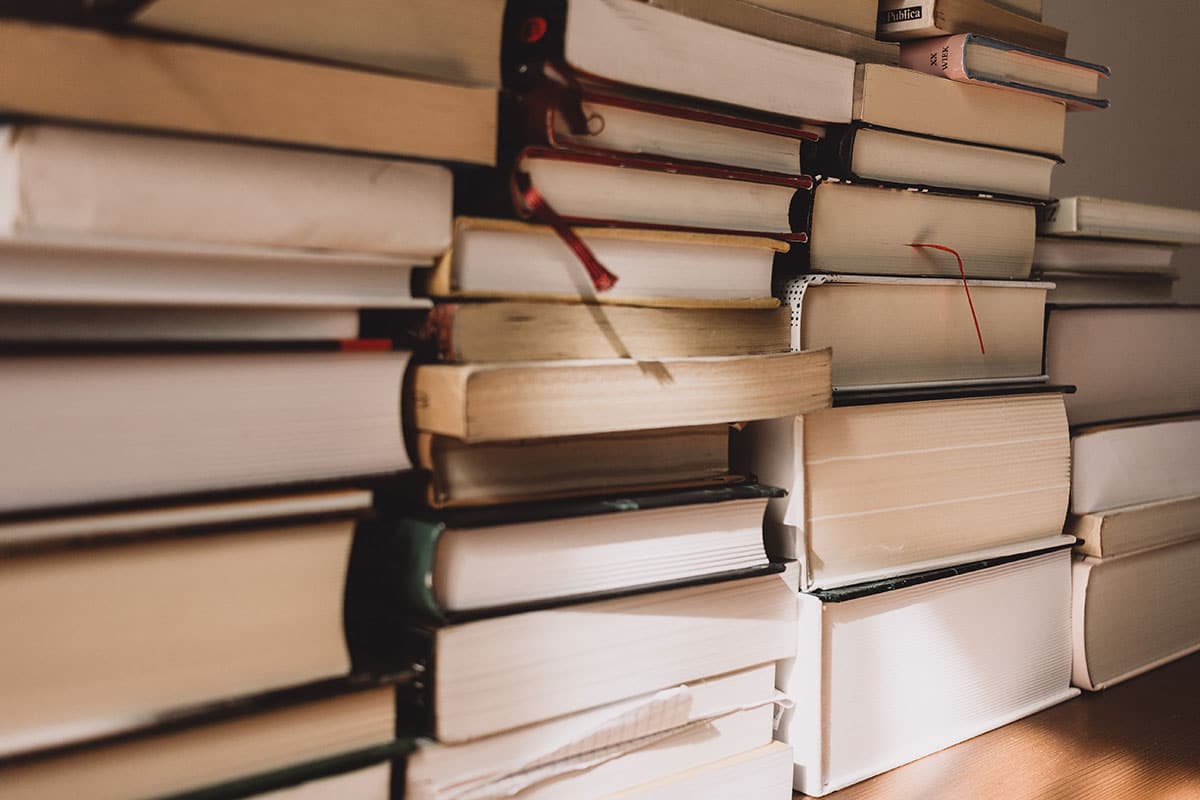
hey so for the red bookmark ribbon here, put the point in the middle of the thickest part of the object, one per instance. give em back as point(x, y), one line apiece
point(963, 272)
point(602, 279)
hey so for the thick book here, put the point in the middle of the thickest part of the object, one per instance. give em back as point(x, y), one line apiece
point(951, 481)
point(1134, 612)
point(972, 58)
point(273, 742)
point(427, 38)
point(501, 673)
point(1127, 362)
point(572, 466)
point(460, 563)
point(857, 228)
point(595, 753)
point(490, 402)
point(902, 20)
point(631, 43)
point(1120, 219)
point(116, 603)
point(892, 672)
point(1099, 256)
point(879, 155)
point(1135, 463)
point(90, 76)
point(919, 331)
point(907, 100)
point(87, 184)
point(84, 429)
point(493, 258)
point(1117, 531)
point(536, 331)
point(795, 24)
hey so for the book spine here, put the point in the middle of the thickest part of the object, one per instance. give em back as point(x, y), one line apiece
point(944, 56)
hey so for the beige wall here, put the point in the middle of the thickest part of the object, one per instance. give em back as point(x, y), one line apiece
point(1146, 147)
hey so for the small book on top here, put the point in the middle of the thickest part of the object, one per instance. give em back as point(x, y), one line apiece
point(1099, 217)
point(902, 20)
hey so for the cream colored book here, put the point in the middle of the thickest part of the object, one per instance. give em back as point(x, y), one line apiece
point(907, 100)
point(445, 41)
point(1134, 612)
point(1121, 219)
point(489, 402)
point(129, 615)
point(890, 332)
point(1133, 463)
point(994, 239)
point(950, 481)
point(765, 772)
point(506, 259)
point(1125, 530)
point(853, 15)
point(888, 675)
point(94, 77)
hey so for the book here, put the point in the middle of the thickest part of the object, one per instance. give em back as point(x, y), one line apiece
point(490, 402)
point(901, 20)
point(1028, 8)
point(426, 38)
point(1101, 256)
point(851, 15)
point(1134, 463)
point(501, 673)
point(952, 481)
point(993, 238)
point(135, 326)
point(628, 191)
point(476, 562)
point(907, 100)
point(618, 119)
point(528, 331)
point(636, 44)
point(599, 751)
point(1108, 289)
point(168, 607)
point(1134, 612)
point(763, 772)
point(572, 466)
point(904, 331)
point(96, 269)
point(924, 663)
point(266, 743)
point(1117, 531)
point(973, 58)
point(502, 258)
point(1120, 219)
point(877, 155)
point(795, 24)
point(85, 429)
point(85, 183)
point(1126, 362)
point(102, 78)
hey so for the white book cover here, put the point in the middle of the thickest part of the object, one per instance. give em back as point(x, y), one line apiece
point(1124, 465)
point(883, 679)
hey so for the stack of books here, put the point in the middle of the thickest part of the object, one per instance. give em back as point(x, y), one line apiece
point(926, 507)
point(192, 239)
point(1135, 498)
point(587, 589)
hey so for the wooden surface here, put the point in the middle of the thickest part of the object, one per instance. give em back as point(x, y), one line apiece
point(1139, 739)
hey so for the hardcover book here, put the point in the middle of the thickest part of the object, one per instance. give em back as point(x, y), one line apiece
point(973, 58)
point(952, 480)
point(887, 673)
point(903, 20)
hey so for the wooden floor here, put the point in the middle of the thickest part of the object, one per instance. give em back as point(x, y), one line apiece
point(1138, 740)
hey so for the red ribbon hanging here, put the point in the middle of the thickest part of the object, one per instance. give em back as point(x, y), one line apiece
point(963, 272)
point(602, 279)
